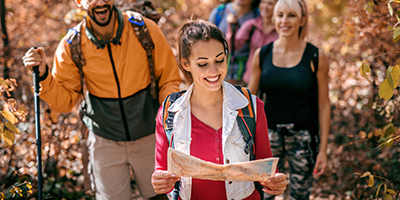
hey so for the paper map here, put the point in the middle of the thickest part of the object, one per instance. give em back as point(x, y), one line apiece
point(184, 165)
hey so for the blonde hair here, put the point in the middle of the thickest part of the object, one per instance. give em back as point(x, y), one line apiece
point(300, 8)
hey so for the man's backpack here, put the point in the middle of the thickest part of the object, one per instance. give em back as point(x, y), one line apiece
point(246, 120)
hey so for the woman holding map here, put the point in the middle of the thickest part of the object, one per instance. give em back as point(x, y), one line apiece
point(202, 122)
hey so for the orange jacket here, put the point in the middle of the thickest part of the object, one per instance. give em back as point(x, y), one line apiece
point(61, 89)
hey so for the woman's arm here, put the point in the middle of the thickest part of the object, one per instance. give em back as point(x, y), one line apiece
point(163, 182)
point(256, 73)
point(324, 107)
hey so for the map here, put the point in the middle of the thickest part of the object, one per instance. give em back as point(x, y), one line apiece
point(184, 165)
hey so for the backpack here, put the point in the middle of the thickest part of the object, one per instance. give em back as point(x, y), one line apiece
point(313, 98)
point(245, 119)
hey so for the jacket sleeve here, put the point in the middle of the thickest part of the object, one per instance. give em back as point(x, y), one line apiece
point(161, 143)
point(61, 89)
point(166, 68)
point(212, 17)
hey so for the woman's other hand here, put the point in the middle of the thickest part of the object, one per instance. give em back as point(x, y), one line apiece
point(275, 185)
point(163, 182)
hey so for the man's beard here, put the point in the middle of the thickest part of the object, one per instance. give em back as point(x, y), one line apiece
point(109, 17)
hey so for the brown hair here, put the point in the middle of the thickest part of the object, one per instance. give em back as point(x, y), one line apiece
point(192, 32)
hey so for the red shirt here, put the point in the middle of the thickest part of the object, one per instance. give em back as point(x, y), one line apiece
point(206, 144)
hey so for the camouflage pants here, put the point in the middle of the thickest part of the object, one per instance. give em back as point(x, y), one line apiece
point(294, 146)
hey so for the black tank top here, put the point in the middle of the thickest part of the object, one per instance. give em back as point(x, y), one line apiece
point(287, 90)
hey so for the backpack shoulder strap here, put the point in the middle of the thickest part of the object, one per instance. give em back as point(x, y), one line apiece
point(220, 13)
point(74, 40)
point(247, 122)
point(168, 116)
point(144, 38)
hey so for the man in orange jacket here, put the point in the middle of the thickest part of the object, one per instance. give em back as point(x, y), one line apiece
point(120, 111)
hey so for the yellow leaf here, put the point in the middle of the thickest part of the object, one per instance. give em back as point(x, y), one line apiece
point(364, 70)
point(396, 75)
point(377, 191)
point(2, 196)
point(362, 134)
point(29, 185)
point(371, 181)
point(1, 128)
point(366, 174)
point(396, 34)
point(385, 90)
point(387, 197)
point(390, 8)
point(8, 138)
point(390, 191)
point(9, 116)
point(389, 76)
point(389, 129)
point(11, 127)
point(370, 134)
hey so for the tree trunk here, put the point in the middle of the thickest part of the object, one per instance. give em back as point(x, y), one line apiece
point(6, 49)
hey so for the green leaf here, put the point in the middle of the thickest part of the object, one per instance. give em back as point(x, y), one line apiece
point(8, 138)
point(390, 191)
point(389, 129)
point(385, 90)
point(390, 28)
point(389, 76)
point(9, 116)
point(364, 70)
point(370, 10)
point(11, 127)
point(371, 181)
point(396, 34)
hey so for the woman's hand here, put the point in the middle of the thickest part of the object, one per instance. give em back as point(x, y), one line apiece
point(163, 181)
point(231, 18)
point(321, 164)
point(275, 185)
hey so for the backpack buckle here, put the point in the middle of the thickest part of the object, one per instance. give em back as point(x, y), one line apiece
point(137, 22)
point(69, 39)
point(249, 146)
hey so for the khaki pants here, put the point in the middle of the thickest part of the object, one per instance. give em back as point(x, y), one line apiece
point(109, 166)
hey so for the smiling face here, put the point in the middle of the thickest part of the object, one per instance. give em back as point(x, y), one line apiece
point(267, 8)
point(291, 18)
point(207, 64)
point(99, 11)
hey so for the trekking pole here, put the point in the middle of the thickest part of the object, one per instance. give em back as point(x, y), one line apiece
point(37, 127)
point(231, 67)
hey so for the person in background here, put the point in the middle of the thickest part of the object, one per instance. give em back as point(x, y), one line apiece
point(121, 111)
point(241, 10)
point(293, 74)
point(255, 32)
point(205, 123)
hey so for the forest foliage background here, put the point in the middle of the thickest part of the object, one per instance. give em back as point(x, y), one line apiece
point(349, 31)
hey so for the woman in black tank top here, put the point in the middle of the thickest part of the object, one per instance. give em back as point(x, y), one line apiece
point(292, 76)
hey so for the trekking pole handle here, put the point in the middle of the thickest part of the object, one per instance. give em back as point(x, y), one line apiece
point(37, 128)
